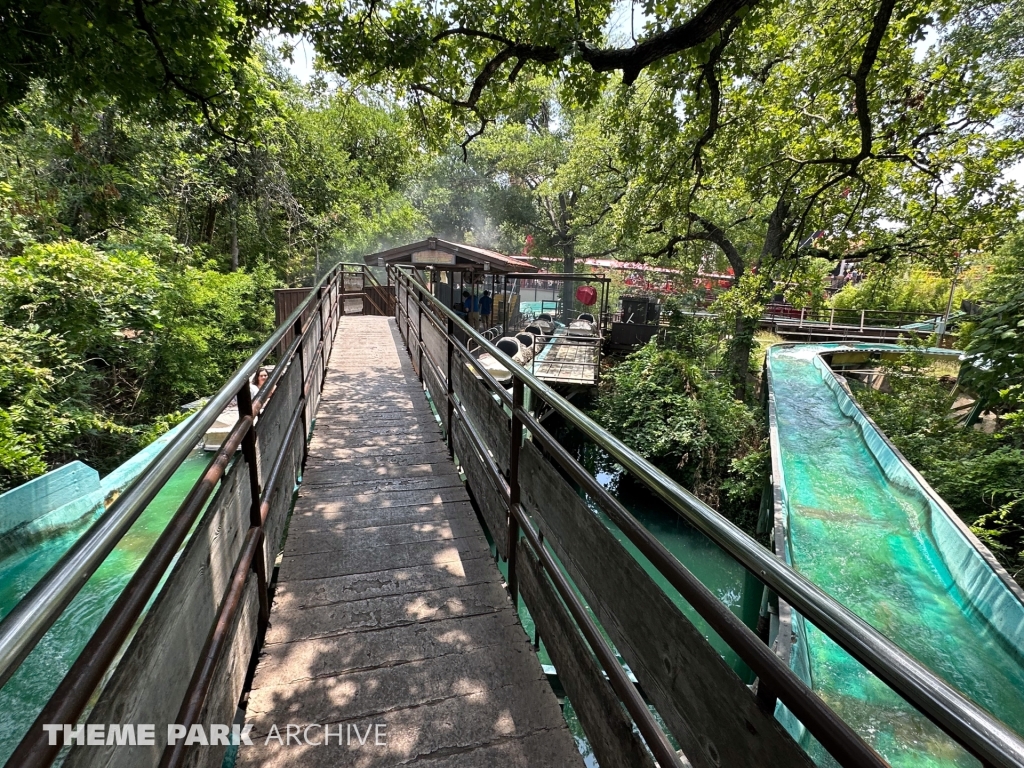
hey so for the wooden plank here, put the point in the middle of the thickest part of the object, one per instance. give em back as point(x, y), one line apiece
point(402, 316)
point(706, 706)
point(273, 421)
point(150, 681)
point(605, 722)
point(438, 392)
point(228, 678)
point(484, 411)
point(414, 323)
point(414, 340)
point(490, 502)
point(281, 501)
point(434, 341)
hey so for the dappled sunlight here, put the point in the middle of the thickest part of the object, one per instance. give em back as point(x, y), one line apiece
point(389, 608)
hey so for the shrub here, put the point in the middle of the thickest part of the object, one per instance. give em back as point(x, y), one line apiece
point(664, 406)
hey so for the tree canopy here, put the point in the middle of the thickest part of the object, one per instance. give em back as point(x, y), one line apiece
point(769, 141)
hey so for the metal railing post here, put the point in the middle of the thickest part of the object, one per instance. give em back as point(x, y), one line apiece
point(342, 289)
point(320, 313)
point(302, 378)
point(862, 320)
point(244, 399)
point(516, 441)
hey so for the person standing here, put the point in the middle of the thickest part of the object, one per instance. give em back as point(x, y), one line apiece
point(485, 309)
point(472, 305)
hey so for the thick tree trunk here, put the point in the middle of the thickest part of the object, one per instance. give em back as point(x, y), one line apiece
point(740, 347)
point(568, 267)
point(743, 333)
point(209, 222)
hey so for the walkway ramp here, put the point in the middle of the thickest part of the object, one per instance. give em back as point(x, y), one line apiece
point(389, 608)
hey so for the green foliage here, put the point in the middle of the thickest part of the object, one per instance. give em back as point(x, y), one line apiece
point(139, 246)
point(95, 345)
point(995, 364)
point(898, 288)
point(174, 55)
point(664, 406)
point(211, 322)
point(316, 178)
point(980, 475)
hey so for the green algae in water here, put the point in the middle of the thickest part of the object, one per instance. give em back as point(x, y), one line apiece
point(720, 573)
point(34, 682)
point(869, 542)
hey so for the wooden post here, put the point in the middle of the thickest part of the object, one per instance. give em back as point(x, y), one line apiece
point(862, 320)
point(244, 400)
point(450, 399)
point(802, 311)
point(420, 304)
point(513, 487)
point(831, 317)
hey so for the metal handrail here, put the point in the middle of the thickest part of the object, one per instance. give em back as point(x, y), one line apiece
point(972, 727)
point(29, 620)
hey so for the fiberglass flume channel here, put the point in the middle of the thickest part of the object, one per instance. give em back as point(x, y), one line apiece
point(27, 554)
point(856, 519)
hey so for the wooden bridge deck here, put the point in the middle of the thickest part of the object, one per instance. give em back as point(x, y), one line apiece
point(389, 609)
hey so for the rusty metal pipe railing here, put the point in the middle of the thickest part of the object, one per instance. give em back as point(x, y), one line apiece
point(758, 656)
point(29, 620)
point(74, 691)
point(656, 740)
point(270, 485)
point(968, 724)
point(213, 649)
point(68, 702)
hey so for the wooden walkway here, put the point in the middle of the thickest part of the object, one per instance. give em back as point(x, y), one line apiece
point(567, 361)
point(389, 609)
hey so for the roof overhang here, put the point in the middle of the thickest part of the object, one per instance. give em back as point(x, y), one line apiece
point(434, 252)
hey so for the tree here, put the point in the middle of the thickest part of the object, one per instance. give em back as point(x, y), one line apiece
point(559, 161)
point(767, 133)
point(476, 61)
point(788, 140)
point(174, 57)
point(994, 367)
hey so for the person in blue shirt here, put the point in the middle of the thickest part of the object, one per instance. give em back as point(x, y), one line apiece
point(485, 309)
point(472, 306)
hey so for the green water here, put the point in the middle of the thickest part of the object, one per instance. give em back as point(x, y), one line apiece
point(726, 579)
point(868, 542)
point(729, 581)
point(24, 563)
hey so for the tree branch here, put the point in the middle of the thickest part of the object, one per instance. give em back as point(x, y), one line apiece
point(713, 233)
point(631, 61)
